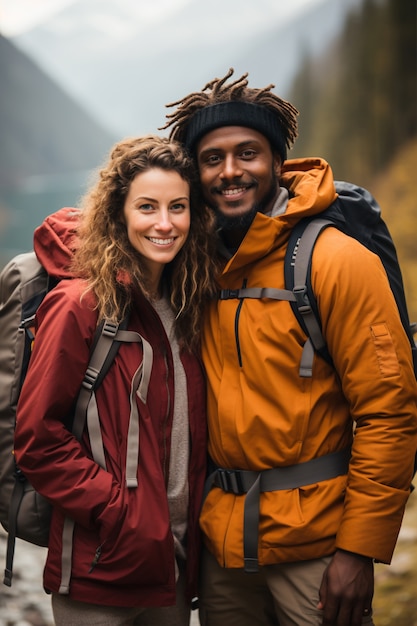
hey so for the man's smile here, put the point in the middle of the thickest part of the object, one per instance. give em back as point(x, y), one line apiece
point(235, 191)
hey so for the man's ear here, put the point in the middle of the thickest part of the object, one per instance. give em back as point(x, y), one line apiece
point(277, 164)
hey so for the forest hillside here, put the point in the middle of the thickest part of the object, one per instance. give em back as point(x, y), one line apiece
point(358, 110)
point(358, 101)
point(396, 191)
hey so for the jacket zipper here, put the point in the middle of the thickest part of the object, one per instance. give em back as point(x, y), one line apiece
point(97, 556)
point(239, 307)
point(165, 468)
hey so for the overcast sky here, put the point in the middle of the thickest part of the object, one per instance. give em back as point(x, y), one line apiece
point(16, 16)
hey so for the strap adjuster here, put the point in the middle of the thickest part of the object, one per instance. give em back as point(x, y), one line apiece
point(109, 328)
point(90, 378)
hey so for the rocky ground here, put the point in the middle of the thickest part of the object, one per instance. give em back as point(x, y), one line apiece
point(395, 602)
point(26, 604)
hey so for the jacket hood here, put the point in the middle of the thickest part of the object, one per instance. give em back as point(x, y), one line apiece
point(311, 187)
point(55, 241)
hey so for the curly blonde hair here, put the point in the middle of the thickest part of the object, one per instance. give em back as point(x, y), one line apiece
point(111, 266)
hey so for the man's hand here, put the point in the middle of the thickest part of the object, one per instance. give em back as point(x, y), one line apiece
point(347, 589)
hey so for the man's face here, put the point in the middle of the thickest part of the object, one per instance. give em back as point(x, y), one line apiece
point(238, 173)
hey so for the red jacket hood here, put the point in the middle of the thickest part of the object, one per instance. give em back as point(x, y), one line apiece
point(55, 241)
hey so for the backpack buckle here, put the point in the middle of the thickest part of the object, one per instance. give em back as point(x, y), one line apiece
point(19, 475)
point(302, 299)
point(230, 481)
point(229, 294)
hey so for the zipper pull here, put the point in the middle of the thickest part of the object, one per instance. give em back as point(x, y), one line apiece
point(95, 560)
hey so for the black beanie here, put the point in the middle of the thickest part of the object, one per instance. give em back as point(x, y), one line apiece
point(237, 113)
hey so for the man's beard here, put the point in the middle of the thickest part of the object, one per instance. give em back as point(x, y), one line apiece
point(228, 223)
point(242, 222)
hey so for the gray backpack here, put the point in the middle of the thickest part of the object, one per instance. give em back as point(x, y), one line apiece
point(23, 512)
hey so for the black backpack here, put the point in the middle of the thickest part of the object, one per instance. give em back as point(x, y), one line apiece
point(356, 213)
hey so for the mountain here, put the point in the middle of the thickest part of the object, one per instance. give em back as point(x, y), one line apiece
point(275, 55)
point(125, 60)
point(119, 61)
point(44, 130)
point(49, 145)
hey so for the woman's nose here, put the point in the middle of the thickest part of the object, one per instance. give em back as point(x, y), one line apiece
point(164, 221)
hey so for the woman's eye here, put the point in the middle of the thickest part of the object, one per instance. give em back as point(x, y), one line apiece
point(146, 207)
point(178, 207)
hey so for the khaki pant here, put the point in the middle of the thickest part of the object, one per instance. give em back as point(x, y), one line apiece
point(69, 612)
point(278, 595)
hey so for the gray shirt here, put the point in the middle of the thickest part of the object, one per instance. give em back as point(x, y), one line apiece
point(180, 441)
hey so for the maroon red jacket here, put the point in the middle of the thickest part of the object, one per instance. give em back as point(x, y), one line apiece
point(130, 526)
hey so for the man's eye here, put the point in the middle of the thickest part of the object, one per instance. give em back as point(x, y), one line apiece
point(213, 159)
point(248, 154)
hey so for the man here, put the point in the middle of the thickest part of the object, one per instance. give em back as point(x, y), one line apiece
point(336, 502)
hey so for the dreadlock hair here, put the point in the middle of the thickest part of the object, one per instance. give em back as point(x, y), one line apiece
point(217, 91)
point(109, 263)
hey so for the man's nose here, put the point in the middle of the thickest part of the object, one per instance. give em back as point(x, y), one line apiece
point(231, 168)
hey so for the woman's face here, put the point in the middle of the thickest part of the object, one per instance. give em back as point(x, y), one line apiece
point(157, 217)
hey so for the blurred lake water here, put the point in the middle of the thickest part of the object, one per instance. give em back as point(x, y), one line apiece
point(22, 209)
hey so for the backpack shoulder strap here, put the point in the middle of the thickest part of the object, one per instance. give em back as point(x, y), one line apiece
point(104, 352)
point(297, 272)
point(107, 341)
point(106, 344)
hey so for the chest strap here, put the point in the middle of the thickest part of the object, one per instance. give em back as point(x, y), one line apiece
point(240, 482)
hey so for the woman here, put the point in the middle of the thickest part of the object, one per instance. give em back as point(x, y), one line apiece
point(143, 253)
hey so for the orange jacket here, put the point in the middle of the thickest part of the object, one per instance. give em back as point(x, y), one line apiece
point(262, 414)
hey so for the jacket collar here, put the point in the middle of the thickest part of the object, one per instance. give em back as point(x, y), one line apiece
point(306, 188)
